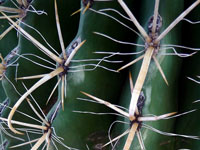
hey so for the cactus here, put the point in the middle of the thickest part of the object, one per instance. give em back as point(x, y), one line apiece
point(81, 96)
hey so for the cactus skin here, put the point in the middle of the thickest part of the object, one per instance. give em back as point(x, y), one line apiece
point(156, 92)
point(161, 94)
point(85, 129)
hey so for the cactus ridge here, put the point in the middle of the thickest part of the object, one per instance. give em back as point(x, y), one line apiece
point(152, 46)
point(58, 71)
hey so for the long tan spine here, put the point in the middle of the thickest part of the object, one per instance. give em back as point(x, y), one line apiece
point(140, 81)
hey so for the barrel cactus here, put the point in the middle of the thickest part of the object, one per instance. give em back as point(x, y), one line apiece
point(99, 74)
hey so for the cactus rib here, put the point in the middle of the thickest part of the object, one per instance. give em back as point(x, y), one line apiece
point(150, 52)
point(135, 122)
point(60, 70)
